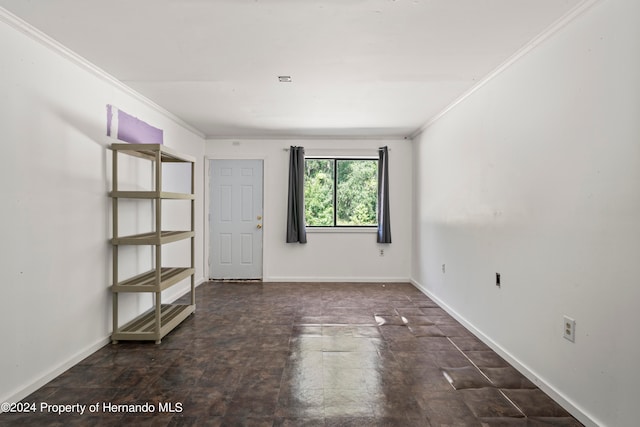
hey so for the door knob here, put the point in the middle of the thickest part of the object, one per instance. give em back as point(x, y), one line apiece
point(259, 226)
point(259, 217)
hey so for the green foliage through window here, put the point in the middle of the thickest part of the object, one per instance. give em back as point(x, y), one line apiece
point(341, 192)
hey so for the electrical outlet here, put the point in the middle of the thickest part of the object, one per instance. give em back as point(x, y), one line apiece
point(381, 252)
point(498, 279)
point(443, 269)
point(569, 327)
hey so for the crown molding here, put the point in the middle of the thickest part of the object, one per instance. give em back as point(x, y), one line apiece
point(303, 137)
point(562, 22)
point(53, 45)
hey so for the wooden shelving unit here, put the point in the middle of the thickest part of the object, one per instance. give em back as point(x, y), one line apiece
point(154, 324)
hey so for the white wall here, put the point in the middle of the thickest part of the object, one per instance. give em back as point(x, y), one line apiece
point(55, 303)
point(328, 256)
point(537, 176)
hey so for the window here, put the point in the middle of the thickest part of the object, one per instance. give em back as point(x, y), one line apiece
point(341, 192)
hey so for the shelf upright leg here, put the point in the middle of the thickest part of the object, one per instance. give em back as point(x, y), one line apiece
point(114, 247)
point(193, 238)
point(158, 260)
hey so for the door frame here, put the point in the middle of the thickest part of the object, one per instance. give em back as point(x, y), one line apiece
point(207, 196)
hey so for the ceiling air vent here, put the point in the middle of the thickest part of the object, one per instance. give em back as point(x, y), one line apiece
point(284, 79)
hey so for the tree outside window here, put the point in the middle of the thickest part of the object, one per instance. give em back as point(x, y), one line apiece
point(341, 192)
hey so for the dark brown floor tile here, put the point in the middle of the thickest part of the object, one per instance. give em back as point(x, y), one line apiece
point(39, 419)
point(446, 408)
point(40, 395)
point(366, 331)
point(396, 404)
point(405, 345)
point(157, 395)
point(253, 403)
point(417, 320)
point(156, 420)
point(222, 378)
point(183, 421)
point(268, 360)
point(345, 378)
point(349, 344)
point(305, 344)
point(449, 359)
point(299, 422)
point(554, 421)
point(195, 358)
point(361, 320)
point(128, 355)
point(409, 311)
point(337, 330)
point(350, 359)
point(444, 321)
point(396, 332)
point(489, 402)
point(381, 380)
point(433, 344)
point(300, 403)
point(87, 376)
point(206, 402)
point(347, 403)
point(254, 377)
point(434, 312)
point(277, 330)
point(388, 319)
point(507, 377)
point(465, 377)
point(486, 359)
point(375, 422)
point(302, 354)
point(534, 403)
point(307, 331)
point(469, 344)
point(233, 343)
point(413, 360)
point(249, 421)
point(138, 377)
point(272, 343)
point(425, 331)
point(455, 331)
point(504, 422)
point(79, 394)
point(428, 380)
point(180, 376)
point(425, 303)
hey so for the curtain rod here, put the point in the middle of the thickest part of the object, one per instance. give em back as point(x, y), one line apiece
point(341, 149)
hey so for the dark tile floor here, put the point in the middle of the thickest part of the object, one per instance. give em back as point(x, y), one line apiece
point(301, 354)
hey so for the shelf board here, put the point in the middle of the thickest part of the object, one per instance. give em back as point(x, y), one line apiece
point(143, 327)
point(146, 282)
point(152, 238)
point(149, 151)
point(151, 195)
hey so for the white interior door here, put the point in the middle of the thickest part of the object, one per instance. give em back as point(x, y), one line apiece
point(235, 221)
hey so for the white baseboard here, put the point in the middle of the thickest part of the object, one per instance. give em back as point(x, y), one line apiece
point(78, 357)
point(560, 398)
point(339, 279)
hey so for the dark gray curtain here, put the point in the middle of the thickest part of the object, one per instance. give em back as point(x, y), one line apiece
point(384, 224)
point(296, 229)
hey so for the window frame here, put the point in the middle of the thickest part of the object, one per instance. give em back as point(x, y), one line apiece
point(335, 225)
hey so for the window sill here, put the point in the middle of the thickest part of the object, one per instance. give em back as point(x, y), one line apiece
point(372, 230)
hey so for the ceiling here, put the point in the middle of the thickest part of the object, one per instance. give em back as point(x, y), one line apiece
point(359, 68)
